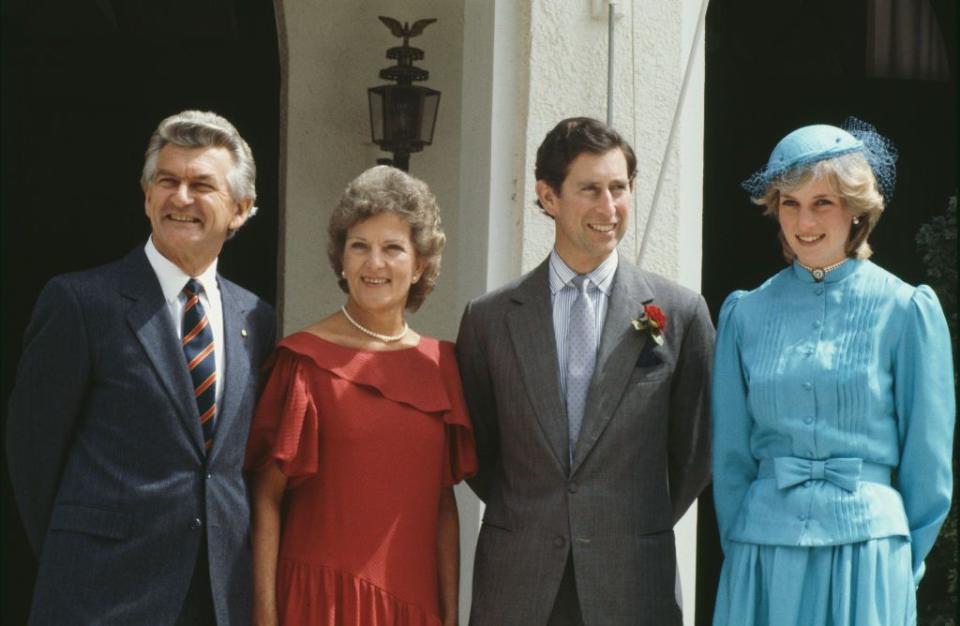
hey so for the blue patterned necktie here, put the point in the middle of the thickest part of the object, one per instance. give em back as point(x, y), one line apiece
point(198, 348)
point(581, 357)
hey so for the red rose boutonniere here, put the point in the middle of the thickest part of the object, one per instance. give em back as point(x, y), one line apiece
point(651, 321)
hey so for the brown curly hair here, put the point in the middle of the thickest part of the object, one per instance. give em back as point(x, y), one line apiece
point(384, 189)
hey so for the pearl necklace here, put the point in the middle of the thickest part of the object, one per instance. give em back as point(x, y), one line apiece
point(367, 331)
point(819, 273)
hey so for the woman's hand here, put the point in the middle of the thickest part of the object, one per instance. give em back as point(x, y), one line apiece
point(448, 556)
point(269, 485)
point(263, 616)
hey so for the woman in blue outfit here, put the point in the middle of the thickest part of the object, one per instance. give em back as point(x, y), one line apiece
point(833, 404)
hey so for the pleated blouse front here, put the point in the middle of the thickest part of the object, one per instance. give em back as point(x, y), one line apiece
point(857, 366)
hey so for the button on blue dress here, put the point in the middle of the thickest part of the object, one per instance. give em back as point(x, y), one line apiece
point(833, 420)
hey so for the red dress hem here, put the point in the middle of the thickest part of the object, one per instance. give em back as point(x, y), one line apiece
point(348, 599)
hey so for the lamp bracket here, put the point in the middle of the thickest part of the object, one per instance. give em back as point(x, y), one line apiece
point(600, 9)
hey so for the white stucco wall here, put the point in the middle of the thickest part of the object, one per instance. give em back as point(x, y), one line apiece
point(335, 52)
point(568, 77)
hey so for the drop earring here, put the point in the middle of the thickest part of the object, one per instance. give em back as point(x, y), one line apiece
point(856, 220)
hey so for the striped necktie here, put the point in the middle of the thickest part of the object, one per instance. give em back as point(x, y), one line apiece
point(198, 348)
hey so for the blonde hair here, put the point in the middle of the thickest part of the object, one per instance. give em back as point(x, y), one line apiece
point(851, 177)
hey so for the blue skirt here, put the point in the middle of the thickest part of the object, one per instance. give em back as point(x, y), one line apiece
point(861, 584)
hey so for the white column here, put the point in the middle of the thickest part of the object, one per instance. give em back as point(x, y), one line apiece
point(495, 84)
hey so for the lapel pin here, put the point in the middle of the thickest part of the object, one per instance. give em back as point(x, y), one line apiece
point(243, 332)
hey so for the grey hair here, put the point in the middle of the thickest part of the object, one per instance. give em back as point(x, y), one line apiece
point(201, 129)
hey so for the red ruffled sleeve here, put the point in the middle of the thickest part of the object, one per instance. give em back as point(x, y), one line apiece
point(460, 453)
point(285, 427)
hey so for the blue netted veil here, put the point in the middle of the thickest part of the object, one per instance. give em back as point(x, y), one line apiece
point(819, 142)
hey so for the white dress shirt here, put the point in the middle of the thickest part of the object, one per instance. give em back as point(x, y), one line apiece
point(172, 281)
point(563, 293)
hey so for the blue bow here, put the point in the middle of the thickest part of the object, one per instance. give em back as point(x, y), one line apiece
point(791, 470)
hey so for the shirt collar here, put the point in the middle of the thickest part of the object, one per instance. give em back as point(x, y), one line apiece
point(601, 276)
point(172, 278)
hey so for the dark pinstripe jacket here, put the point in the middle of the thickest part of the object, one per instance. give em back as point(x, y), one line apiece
point(106, 452)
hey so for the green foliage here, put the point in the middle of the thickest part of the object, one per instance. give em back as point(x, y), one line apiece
point(937, 242)
point(937, 598)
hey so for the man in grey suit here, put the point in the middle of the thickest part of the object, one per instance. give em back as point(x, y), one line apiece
point(128, 423)
point(587, 381)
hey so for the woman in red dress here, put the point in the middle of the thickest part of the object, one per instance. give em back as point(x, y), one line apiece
point(361, 433)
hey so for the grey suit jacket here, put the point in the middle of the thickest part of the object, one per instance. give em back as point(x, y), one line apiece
point(106, 451)
point(640, 461)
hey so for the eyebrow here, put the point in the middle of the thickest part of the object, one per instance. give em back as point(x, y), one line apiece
point(200, 178)
point(364, 239)
point(784, 194)
point(594, 183)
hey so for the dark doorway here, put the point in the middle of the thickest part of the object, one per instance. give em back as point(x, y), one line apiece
point(775, 66)
point(85, 82)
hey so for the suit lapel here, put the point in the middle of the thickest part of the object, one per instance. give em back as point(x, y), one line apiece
point(150, 321)
point(620, 346)
point(531, 331)
point(236, 362)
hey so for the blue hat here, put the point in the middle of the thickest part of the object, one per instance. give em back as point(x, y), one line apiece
point(820, 142)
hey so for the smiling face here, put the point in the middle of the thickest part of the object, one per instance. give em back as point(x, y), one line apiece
point(189, 205)
point(815, 223)
point(591, 208)
point(379, 264)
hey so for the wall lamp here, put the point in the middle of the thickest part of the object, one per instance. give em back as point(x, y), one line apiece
point(403, 115)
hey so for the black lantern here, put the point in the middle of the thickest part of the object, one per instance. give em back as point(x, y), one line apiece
point(403, 116)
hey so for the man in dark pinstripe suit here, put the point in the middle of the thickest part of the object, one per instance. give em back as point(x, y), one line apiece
point(138, 512)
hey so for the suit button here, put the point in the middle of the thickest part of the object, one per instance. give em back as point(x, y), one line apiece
point(559, 541)
point(196, 524)
point(209, 475)
point(572, 487)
